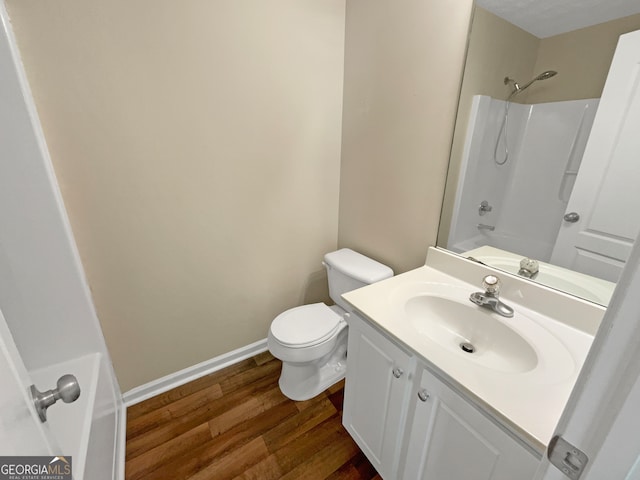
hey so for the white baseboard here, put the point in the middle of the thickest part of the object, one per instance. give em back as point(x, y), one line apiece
point(161, 385)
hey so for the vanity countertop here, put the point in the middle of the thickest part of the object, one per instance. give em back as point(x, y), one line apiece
point(527, 396)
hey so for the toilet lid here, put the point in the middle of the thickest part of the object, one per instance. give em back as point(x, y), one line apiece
point(305, 326)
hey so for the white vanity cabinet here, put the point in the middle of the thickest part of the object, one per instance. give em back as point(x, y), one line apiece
point(376, 395)
point(449, 438)
point(413, 426)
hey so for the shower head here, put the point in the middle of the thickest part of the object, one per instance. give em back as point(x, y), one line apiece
point(545, 75)
point(517, 88)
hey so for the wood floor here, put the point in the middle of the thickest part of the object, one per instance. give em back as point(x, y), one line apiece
point(236, 424)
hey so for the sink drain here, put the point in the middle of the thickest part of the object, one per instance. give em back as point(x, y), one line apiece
point(467, 347)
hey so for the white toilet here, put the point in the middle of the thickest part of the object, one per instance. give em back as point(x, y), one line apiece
point(311, 340)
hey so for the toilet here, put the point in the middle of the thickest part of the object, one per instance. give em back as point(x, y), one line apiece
point(311, 340)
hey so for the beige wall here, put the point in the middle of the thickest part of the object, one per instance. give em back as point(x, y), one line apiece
point(582, 58)
point(497, 49)
point(197, 145)
point(403, 64)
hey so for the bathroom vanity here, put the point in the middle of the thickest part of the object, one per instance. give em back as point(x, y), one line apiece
point(421, 406)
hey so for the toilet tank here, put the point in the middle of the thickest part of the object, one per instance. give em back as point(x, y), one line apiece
point(348, 270)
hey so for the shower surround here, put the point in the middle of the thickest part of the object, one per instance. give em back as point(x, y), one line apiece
point(529, 193)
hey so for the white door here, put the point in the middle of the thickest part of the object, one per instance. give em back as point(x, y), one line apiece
point(605, 195)
point(601, 417)
point(21, 431)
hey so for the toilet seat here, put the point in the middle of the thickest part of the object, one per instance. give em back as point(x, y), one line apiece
point(305, 326)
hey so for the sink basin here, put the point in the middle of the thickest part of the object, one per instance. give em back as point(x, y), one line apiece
point(441, 318)
point(474, 332)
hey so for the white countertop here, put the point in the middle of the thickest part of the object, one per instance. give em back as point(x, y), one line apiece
point(528, 403)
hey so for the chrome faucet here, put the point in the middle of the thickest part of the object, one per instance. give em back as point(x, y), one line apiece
point(489, 298)
point(528, 268)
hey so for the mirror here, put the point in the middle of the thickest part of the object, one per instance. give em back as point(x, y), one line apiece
point(527, 114)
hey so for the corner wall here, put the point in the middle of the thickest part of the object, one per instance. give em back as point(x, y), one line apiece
point(403, 66)
point(197, 147)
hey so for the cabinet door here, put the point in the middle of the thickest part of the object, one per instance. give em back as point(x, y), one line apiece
point(450, 439)
point(377, 385)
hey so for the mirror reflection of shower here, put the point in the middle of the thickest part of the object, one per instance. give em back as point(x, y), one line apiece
point(523, 201)
point(517, 89)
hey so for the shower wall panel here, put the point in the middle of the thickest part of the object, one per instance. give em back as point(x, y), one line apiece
point(529, 192)
point(548, 157)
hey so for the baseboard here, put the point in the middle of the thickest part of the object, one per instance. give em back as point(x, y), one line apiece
point(161, 385)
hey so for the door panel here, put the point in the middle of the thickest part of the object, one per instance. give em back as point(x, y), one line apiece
point(606, 189)
point(374, 395)
point(460, 451)
point(21, 432)
point(450, 439)
point(44, 295)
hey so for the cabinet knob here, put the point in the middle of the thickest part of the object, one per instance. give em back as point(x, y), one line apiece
point(423, 395)
point(397, 372)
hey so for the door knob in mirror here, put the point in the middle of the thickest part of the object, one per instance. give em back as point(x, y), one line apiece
point(571, 217)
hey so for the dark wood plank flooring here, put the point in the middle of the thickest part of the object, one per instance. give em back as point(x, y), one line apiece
point(236, 424)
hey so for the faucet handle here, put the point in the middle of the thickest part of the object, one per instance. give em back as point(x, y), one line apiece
point(529, 265)
point(491, 284)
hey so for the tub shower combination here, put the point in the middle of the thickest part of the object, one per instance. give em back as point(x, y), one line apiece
point(518, 170)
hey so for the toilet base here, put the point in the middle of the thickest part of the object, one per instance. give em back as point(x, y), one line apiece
point(302, 381)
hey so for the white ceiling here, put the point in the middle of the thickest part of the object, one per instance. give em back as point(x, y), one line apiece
point(545, 18)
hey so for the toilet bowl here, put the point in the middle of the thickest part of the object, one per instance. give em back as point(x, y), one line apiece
point(311, 340)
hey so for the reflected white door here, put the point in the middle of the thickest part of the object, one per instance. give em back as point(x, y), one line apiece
point(21, 431)
point(606, 195)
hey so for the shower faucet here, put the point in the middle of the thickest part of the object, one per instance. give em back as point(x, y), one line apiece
point(484, 208)
point(482, 226)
